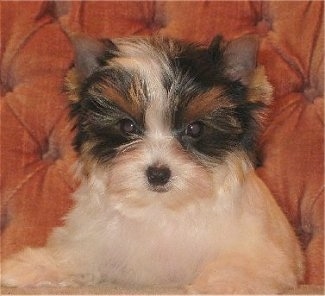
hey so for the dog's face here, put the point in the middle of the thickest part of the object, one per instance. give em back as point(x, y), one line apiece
point(159, 119)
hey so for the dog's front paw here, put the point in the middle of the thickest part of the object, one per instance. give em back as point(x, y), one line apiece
point(30, 268)
point(238, 280)
point(217, 287)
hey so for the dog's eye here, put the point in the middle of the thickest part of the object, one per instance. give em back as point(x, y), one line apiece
point(127, 126)
point(194, 129)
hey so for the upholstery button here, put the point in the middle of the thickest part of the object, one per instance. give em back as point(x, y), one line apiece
point(310, 93)
point(263, 27)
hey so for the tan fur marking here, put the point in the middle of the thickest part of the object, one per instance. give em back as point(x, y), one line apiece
point(132, 108)
point(88, 162)
point(72, 85)
point(260, 90)
point(206, 103)
point(137, 96)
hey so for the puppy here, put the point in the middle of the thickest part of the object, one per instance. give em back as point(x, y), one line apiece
point(165, 133)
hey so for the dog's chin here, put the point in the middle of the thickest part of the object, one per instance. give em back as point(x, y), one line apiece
point(160, 189)
point(168, 198)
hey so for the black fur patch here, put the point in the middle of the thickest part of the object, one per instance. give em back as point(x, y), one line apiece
point(202, 69)
point(97, 117)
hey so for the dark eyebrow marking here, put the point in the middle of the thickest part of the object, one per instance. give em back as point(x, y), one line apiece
point(206, 103)
point(118, 86)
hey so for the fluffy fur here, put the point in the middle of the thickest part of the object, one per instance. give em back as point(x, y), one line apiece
point(203, 220)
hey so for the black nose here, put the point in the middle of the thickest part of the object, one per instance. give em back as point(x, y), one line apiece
point(158, 175)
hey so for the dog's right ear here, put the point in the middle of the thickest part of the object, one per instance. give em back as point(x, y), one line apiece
point(88, 53)
point(239, 56)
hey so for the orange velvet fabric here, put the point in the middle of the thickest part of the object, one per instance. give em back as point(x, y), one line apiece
point(36, 156)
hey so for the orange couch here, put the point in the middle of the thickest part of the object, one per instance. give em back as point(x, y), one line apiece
point(36, 156)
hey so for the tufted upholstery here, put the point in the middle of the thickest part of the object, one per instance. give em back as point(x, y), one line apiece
point(36, 173)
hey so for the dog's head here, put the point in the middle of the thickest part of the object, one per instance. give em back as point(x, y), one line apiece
point(161, 119)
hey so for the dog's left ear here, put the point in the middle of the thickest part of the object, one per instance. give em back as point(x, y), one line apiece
point(88, 53)
point(239, 56)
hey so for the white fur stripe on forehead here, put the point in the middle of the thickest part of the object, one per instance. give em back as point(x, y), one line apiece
point(141, 57)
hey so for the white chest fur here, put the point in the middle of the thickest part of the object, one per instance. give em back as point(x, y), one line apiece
point(160, 247)
point(126, 243)
point(151, 245)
